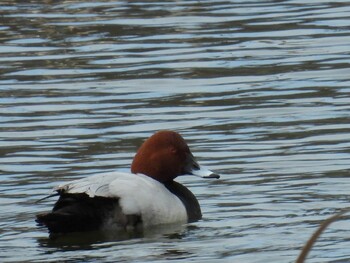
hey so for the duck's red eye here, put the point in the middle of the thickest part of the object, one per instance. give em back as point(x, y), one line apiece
point(173, 150)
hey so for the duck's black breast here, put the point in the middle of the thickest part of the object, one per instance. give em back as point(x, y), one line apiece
point(187, 198)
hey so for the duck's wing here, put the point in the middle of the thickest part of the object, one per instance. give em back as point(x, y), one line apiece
point(88, 204)
point(95, 185)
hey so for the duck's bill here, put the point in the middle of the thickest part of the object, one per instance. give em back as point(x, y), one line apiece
point(205, 173)
point(193, 168)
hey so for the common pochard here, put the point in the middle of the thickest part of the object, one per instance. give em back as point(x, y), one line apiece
point(145, 197)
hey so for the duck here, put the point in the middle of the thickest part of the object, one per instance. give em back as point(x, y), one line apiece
point(123, 201)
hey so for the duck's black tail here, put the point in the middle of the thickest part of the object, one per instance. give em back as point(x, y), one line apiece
point(77, 213)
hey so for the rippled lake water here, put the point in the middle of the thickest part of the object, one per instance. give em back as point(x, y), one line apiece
point(259, 89)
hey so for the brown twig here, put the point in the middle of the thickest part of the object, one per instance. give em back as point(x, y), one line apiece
point(306, 249)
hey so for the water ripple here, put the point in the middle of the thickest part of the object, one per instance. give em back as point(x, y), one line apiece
point(259, 89)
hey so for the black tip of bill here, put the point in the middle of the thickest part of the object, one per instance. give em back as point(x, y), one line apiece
point(213, 175)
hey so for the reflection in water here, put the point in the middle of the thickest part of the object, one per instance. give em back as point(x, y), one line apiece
point(259, 89)
point(88, 240)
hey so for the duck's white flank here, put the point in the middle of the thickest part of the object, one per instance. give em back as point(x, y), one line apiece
point(138, 195)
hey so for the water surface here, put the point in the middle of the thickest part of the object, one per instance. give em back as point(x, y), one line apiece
point(259, 89)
